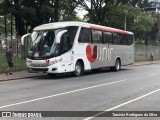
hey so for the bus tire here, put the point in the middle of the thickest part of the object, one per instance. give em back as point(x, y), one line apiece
point(79, 69)
point(117, 66)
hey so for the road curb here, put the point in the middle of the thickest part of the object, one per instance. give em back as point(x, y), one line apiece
point(18, 78)
point(146, 64)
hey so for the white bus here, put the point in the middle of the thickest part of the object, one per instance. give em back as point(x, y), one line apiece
point(77, 47)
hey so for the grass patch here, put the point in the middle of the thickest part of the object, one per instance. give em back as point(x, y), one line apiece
point(19, 63)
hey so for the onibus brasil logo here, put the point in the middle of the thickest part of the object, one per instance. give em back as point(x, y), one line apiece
point(98, 53)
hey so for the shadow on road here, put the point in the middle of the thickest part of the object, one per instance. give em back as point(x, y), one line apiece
point(88, 73)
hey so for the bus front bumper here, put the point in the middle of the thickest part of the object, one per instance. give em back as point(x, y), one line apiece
point(49, 69)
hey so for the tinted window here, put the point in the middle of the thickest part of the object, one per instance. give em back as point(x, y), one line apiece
point(66, 43)
point(72, 33)
point(116, 38)
point(107, 36)
point(85, 35)
point(96, 36)
point(127, 39)
point(67, 39)
point(124, 40)
point(130, 39)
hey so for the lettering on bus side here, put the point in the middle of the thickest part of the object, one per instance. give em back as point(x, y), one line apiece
point(99, 53)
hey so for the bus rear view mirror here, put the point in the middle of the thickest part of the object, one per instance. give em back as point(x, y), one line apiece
point(58, 37)
point(23, 38)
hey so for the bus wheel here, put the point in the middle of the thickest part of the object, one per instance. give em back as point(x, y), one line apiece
point(117, 66)
point(79, 69)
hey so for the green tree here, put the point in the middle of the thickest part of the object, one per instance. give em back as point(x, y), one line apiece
point(28, 14)
point(68, 10)
point(123, 14)
point(1, 25)
point(31, 13)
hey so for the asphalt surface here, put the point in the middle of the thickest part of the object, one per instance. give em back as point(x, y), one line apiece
point(134, 88)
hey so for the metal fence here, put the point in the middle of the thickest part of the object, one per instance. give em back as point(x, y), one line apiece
point(18, 55)
point(142, 53)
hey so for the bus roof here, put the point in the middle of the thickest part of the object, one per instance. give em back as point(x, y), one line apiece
point(55, 25)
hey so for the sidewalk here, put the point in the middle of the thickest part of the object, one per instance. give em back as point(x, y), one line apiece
point(146, 62)
point(25, 74)
point(19, 75)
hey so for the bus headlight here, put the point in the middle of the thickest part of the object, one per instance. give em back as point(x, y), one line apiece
point(55, 61)
point(28, 62)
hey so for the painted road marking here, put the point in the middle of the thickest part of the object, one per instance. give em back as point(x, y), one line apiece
point(55, 95)
point(125, 103)
point(152, 74)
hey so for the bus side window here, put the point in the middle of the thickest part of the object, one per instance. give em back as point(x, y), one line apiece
point(66, 43)
point(96, 36)
point(124, 39)
point(107, 36)
point(130, 39)
point(127, 39)
point(85, 35)
point(116, 39)
point(72, 30)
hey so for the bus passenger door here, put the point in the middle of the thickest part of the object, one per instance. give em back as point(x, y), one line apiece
point(66, 54)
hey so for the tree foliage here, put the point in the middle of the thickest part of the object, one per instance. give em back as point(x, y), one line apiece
point(113, 13)
point(117, 13)
point(30, 13)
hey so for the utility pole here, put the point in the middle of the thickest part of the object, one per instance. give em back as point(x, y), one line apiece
point(125, 18)
point(125, 22)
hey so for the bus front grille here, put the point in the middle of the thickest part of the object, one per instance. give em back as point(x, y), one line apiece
point(40, 69)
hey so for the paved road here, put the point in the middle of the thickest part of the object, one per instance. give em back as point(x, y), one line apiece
point(134, 88)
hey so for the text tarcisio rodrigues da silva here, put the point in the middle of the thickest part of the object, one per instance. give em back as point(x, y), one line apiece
point(136, 114)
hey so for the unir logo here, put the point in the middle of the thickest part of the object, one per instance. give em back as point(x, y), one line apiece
point(98, 53)
point(89, 53)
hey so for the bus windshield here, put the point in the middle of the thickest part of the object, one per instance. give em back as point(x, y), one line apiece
point(43, 45)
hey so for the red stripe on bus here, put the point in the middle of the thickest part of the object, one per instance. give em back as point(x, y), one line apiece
point(91, 58)
point(108, 29)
